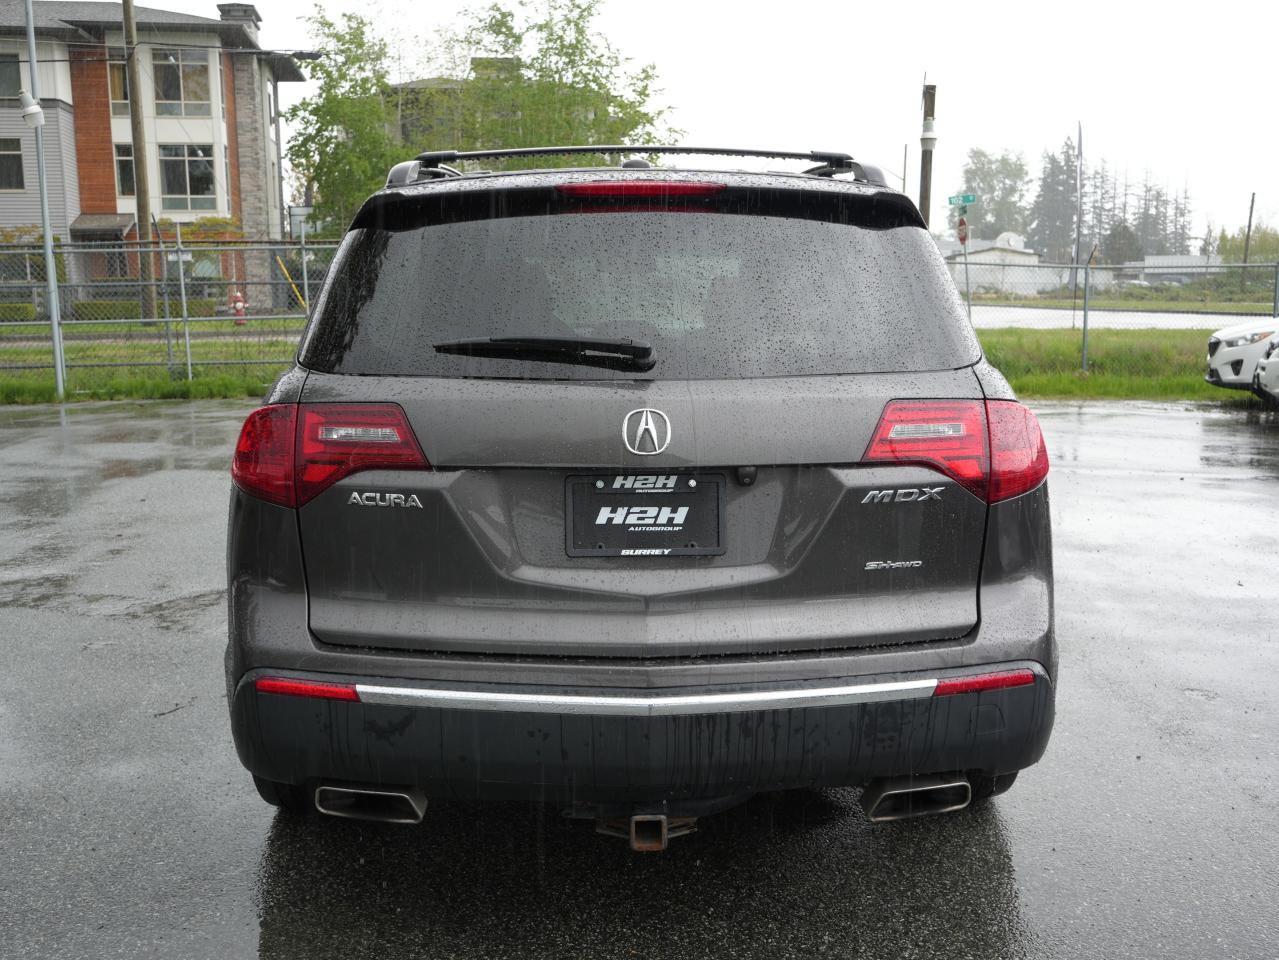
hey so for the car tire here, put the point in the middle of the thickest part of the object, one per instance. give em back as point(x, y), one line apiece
point(985, 786)
point(289, 797)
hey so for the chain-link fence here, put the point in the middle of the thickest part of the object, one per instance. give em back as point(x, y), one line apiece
point(218, 308)
point(208, 308)
point(1006, 291)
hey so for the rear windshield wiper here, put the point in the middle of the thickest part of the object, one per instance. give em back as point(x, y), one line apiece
point(621, 353)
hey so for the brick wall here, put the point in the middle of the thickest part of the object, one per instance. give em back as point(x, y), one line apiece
point(94, 151)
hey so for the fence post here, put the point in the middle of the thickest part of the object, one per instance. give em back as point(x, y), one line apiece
point(182, 293)
point(1087, 277)
point(1275, 310)
point(164, 271)
point(306, 286)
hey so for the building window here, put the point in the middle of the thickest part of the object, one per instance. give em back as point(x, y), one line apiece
point(222, 82)
point(118, 81)
point(11, 164)
point(181, 82)
point(10, 78)
point(124, 169)
point(186, 177)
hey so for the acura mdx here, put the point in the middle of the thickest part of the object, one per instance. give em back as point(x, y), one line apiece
point(638, 491)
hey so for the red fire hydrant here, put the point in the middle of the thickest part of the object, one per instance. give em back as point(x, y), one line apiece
point(237, 307)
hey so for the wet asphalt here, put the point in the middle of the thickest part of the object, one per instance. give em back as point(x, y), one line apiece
point(128, 828)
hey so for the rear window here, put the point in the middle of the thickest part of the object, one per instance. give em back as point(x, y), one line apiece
point(718, 293)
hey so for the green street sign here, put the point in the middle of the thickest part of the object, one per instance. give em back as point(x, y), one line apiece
point(962, 210)
point(963, 199)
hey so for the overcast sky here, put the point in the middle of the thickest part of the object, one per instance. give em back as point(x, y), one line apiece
point(1186, 91)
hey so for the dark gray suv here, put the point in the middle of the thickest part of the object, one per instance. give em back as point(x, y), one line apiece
point(638, 491)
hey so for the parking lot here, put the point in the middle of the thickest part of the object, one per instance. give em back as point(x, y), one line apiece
point(1150, 829)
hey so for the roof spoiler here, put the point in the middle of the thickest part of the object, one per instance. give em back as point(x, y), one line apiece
point(436, 164)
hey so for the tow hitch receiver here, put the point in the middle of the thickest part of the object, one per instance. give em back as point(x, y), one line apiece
point(647, 832)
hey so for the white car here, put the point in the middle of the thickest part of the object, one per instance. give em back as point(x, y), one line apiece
point(1265, 382)
point(1233, 352)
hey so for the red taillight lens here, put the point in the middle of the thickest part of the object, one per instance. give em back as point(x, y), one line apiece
point(993, 448)
point(336, 440)
point(263, 461)
point(645, 189)
point(1018, 457)
point(306, 688)
point(984, 681)
point(946, 435)
point(288, 454)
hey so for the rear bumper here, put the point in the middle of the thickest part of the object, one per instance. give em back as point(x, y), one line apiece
point(490, 741)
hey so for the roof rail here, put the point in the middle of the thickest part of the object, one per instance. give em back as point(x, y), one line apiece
point(433, 163)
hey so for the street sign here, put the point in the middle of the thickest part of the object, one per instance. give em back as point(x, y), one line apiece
point(961, 210)
point(173, 257)
point(962, 199)
point(963, 231)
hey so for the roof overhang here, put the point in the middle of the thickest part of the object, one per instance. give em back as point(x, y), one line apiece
point(102, 226)
point(284, 67)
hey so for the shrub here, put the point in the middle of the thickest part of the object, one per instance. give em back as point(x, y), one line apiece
point(17, 311)
point(106, 310)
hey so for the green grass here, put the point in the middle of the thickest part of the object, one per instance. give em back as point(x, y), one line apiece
point(1150, 364)
point(98, 385)
point(1137, 306)
point(154, 329)
point(1122, 364)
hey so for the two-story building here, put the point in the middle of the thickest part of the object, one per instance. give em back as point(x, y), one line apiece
point(208, 107)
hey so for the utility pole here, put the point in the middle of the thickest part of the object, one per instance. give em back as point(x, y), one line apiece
point(141, 180)
point(33, 116)
point(927, 140)
point(1247, 237)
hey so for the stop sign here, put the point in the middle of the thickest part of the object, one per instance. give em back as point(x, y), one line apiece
point(963, 231)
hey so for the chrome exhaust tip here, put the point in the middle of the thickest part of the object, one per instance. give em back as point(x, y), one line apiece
point(900, 798)
point(362, 803)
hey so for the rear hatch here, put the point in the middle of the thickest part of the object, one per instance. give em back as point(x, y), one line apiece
point(696, 489)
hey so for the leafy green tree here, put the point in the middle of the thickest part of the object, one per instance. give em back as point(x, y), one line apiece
point(344, 137)
point(1000, 182)
point(521, 80)
point(1262, 248)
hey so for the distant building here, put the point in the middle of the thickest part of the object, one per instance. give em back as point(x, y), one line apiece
point(208, 103)
point(1002, 265)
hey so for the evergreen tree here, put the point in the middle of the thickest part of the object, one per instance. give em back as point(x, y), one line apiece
point(1052, 215)
point(1120, 244)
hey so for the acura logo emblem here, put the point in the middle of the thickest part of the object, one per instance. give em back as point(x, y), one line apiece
point(646, 431)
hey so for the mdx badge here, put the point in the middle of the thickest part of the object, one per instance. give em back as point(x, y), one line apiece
point(646, 431)
point(904, 495)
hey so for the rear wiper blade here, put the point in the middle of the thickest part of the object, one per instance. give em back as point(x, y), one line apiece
point(614, 353)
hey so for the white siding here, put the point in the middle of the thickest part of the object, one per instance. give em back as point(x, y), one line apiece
point(22, 208)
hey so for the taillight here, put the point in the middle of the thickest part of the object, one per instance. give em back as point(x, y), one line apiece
point(1018, 457)
point(947, 435)
point(263, 461)
point(993, 448)
point(647, 189)
point(336, 440)
point(287, 454)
